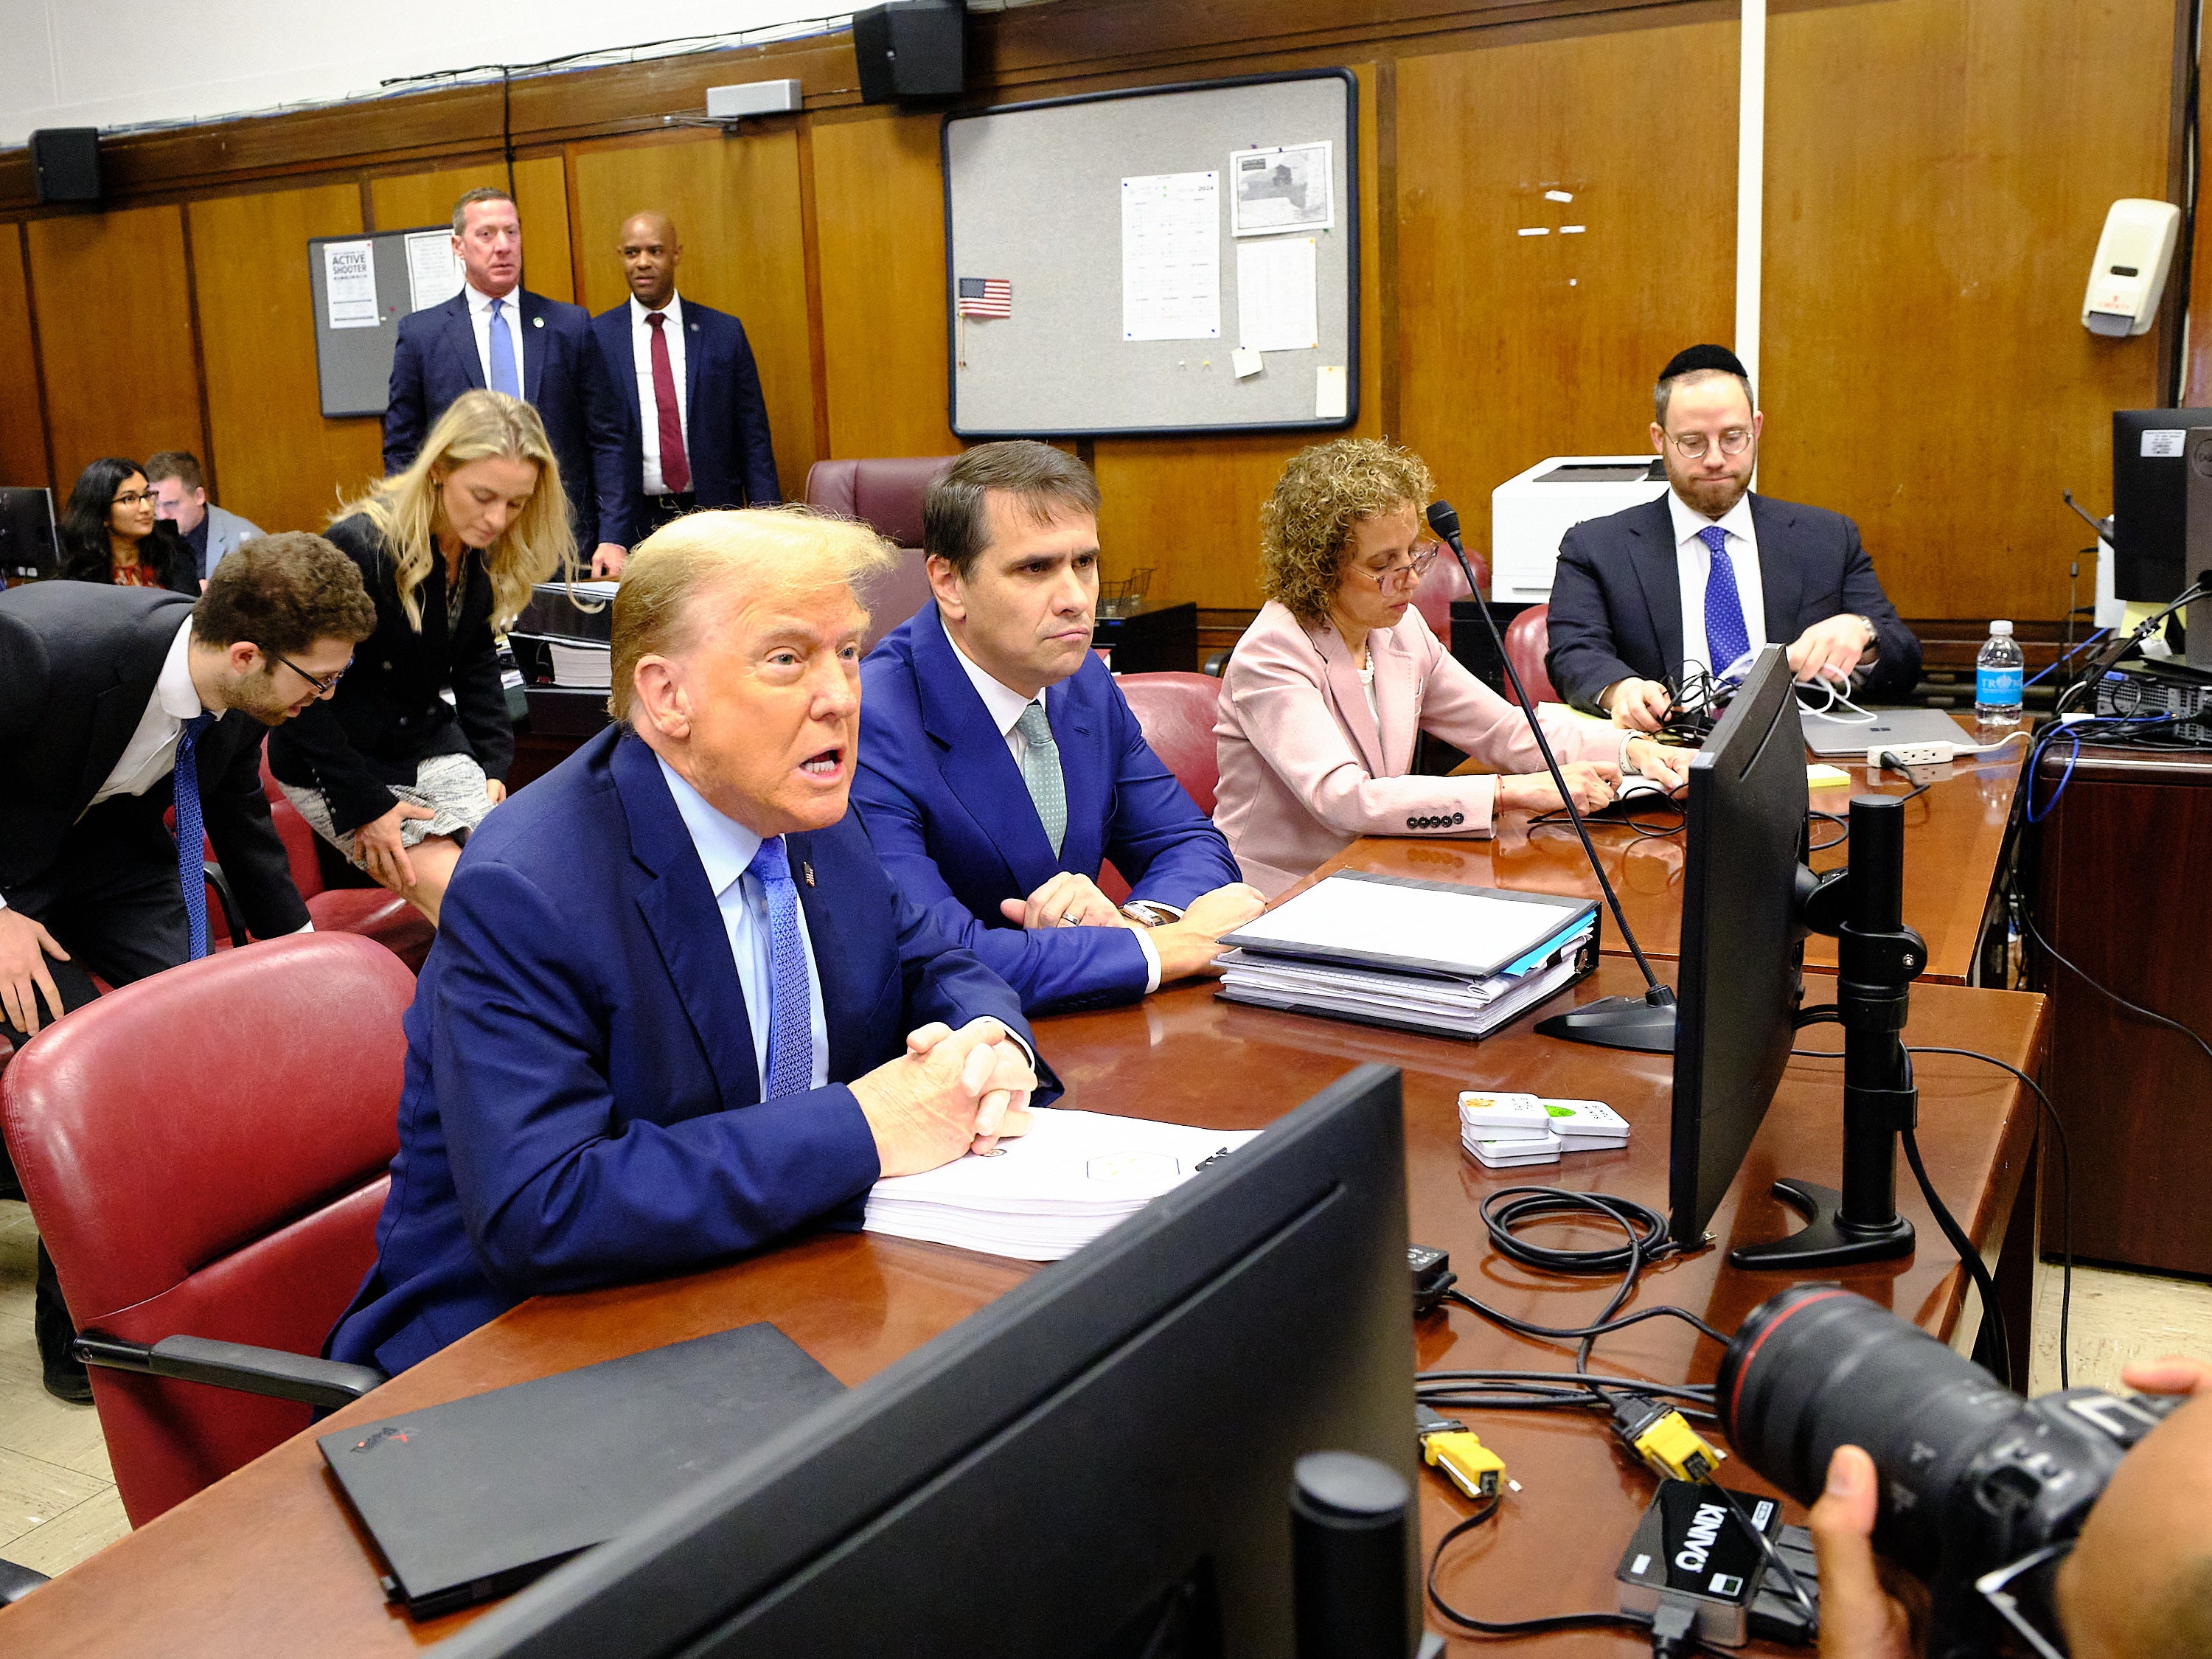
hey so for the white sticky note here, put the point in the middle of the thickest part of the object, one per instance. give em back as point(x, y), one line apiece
point(1246, 361)
point(1332, 393)
point(1558, 196)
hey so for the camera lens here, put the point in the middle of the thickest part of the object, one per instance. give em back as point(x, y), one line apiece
point(1817, 1367)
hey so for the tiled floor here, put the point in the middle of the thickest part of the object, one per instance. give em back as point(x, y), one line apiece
point(57, 1503)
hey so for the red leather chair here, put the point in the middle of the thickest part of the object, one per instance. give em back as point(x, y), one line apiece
point(1527, 638)
point(886, 496)
point(205, 1150)
point(1176, 712)
point(1445, 583)
point(373, 912)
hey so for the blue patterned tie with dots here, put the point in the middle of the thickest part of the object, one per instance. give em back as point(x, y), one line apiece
point(191, 860)
point(1726, 637)
point(791, 1022)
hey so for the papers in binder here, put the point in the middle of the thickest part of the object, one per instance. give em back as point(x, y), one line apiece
point(1045, 1195)
point(1412, 926)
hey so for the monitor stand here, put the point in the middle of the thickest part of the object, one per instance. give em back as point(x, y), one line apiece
point(1878, 957)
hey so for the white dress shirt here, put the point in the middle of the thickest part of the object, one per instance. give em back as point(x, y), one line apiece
point(648, 410)
point(725, 847)
point(1694, 562)
point(1005, 706)
point(510, 314)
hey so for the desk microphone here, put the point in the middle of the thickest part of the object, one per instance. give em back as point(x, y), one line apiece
point(1645, 1023)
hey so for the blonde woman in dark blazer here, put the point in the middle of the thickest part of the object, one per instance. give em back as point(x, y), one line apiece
point(1339, 673)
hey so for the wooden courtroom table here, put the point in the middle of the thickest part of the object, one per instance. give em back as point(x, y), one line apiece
point(1956, 838)
point(268, 1561)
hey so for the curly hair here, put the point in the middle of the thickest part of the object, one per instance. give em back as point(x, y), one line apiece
point(1305, 524)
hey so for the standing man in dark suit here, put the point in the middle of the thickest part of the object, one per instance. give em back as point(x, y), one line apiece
point(1000, 765)
point(1699, 578)
point(698, 433)
point(676, 1009)
point(110, 699)
point(496, 334)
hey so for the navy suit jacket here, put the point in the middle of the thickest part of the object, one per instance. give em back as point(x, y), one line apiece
point(581, 1105)
point(732, 461)
point(1616, 607)
point(948, 811)
point(562, 378)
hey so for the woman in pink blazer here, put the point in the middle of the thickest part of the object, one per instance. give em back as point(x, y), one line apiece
point(1329, 686)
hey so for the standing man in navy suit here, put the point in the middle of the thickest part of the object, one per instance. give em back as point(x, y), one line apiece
point(676, 1010)
point(1708, 573)
point(1000, 765)
point(697, 429)
point(496, 334)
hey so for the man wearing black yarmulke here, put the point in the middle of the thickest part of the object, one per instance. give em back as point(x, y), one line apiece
point(1696, 581)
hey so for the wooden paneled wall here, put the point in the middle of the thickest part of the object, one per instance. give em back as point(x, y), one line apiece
point(1937, 171)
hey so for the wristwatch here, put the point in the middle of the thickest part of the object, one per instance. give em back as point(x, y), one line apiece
point(1874, 634)
point(1149, 913)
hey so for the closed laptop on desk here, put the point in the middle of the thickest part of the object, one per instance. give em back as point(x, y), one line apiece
point(1826, 734)
point(473, 1499)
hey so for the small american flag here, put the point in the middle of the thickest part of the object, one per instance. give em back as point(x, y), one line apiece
point(985, 296)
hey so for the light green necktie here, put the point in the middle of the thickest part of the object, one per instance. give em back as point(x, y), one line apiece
point(1041, 773)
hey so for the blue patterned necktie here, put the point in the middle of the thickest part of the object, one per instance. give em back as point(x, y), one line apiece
point(1726, 637)
point(1042, 776)
point(191, 860)
point(503, 377)
point(791, 1023)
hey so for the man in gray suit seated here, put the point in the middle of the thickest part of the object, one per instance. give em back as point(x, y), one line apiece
point(177, 484)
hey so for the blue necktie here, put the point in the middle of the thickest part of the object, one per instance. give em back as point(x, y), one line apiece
point(191, 860)
point(503, 377)
point(791, 1024)
point(1726, 637)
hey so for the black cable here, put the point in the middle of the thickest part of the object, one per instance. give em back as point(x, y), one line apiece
point(2137, 1009)
point(1843, 828)
point(1992, 1314)
point(1889, 762)
point(1513, 1626)
point(2103, 663)
point(1508, 1208)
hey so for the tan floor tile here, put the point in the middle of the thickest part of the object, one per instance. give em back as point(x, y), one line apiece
point(2118, 1317)
point(34, 1491)
point(70, 1537)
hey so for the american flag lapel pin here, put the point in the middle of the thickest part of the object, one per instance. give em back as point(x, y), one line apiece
point(806, 872)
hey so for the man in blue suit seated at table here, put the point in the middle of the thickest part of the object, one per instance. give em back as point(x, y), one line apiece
point(1000, 765)
point(495, 335)
point(676, 1009)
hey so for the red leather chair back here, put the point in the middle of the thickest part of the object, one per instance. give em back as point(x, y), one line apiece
point(205, 1151)
point(1444, 584)
point(1527, 638)
point(886, 495)
point(1176, 712)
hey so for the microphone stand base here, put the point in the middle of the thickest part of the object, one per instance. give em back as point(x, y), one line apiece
point(1638, 1023)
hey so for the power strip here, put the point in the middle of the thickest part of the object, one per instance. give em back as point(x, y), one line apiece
point(1911, 753)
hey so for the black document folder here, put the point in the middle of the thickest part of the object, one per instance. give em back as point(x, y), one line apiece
point(474, 1498)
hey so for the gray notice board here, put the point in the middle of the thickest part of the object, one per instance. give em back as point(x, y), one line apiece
point(354, 364)
point(1034, 195)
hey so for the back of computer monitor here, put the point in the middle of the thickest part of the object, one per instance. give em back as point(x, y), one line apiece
point(1096, 1465)
point(28, 545)
point(1742, 944)
point(2150, 504)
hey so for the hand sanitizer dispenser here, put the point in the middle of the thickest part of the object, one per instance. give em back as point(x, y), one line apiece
point(2130, 273)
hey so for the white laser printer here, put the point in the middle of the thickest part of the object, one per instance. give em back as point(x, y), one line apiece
point(1529, 512)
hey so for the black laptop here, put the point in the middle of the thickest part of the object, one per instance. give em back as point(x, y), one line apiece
point(476, 1497)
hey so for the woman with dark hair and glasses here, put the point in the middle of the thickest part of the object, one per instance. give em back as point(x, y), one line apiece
point(1338, 674)
point(110, 533)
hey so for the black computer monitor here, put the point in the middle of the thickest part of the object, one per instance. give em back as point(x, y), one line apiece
point(1742, 941)
point(1103, 1451)
point(2150, 501)
point(28, 546)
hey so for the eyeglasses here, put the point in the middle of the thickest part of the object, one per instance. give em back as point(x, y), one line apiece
point(1690, 446)
point(323, 687)
point(1410, 570)
point(133, 498)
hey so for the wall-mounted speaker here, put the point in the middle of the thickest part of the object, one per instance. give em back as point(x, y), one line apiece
point(910, 49)
point(67, 162)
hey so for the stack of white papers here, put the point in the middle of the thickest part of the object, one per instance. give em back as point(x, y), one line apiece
point(582, 665)
point(1502, 1130)
point(1046, 1194)
point(1426, 955)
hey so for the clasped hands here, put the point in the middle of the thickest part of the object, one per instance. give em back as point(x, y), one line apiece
point(1186, 946)
point(950, 1093)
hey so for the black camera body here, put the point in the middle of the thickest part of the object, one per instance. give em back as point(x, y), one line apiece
point(1980, 1489)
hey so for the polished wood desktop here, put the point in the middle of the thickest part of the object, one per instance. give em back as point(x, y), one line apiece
point(1956, 838)
point(269, 1562)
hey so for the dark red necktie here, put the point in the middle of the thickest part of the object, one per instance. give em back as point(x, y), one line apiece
point(675, 470)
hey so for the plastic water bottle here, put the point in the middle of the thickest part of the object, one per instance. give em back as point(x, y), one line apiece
point(1997, 674)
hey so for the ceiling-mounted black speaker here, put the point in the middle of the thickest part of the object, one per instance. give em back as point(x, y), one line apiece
point(67, 162)
point(910, 49)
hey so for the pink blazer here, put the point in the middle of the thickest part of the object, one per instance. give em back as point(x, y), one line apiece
point(1305, 768)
